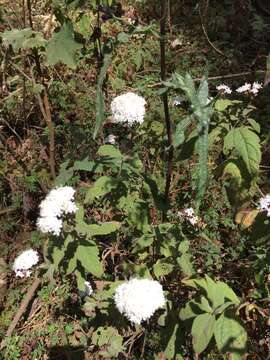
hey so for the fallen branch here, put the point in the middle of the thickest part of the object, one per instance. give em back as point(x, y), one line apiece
point(30, 293)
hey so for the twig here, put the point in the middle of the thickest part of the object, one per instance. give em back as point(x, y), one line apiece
point(207, 37)
point(30, 293)
point(7, 211)
point(164, 13)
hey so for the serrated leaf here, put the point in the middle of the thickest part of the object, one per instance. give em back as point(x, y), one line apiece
point(183, 246)
point(23, 39)
point(162, 268)
point(101, 187)
point(84, 165)
point(255, 125)
point(109, 151)
point(179, 134)
point(184, 261)
point(247, 144)
point(94, 229)
point(109, 340)
point(222, 104)
point(88, 255)
point(62, 47)
point(202, 331)
point(230, 335)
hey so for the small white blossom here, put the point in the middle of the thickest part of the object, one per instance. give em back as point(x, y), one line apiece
point(128, 108)
point(176, 101)
point(88, 288)
point(244, 88)
point(110, 139)
point(250, 88)
point(24, 262)
point(138, 299)
point(255, 88)
point(58, 202)
point(225, 89)
point(50, 224)
point(264, 204)
point(189, 215)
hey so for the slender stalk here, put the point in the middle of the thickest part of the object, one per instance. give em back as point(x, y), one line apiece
point(163, 20)
point(44, 103)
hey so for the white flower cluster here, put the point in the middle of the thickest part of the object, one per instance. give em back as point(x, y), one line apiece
point(138, 299)
point(58, 202)
point(224, 89)
point(110, 139)
point(264, 204)
point(24, 262)
point(189, 215)
point(248, 88)
point(128, 108)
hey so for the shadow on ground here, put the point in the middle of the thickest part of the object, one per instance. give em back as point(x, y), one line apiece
point(66, 353)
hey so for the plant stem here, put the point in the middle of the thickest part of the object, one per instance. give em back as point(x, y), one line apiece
point(163, 19)
point(44, 103)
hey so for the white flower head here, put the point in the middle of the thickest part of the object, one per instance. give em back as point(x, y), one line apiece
point(251, 89)
point(24, 262)
point(264, 204)
point(58, 202)
point(129, 108)
point(50, 224)
point(110, 139)
point(224, 89)
point(177, 100)
point(88, 290)
point(138, 299)
point(255, 88)
point(189, 215)
point(245, 88)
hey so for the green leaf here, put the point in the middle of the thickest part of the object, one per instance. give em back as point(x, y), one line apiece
point(171, 348)
point(62, 47)
point(162, 268)
point(88, 256)
point(71, 265)
point(109, 340)
point(255, 125)
point(179, 134)
point(110, 151)
point(191, 310)
point(84, 165)
point(123, 37)
point(222, 104)
point(183, 246)
point(227, 292)
point(230, 335)
point(202, 331)
point(101, 187)
point(94, 229)
point(184, 261)
point(23, 39)
point(247, 144)
point(80, 281)
point(58, 255)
